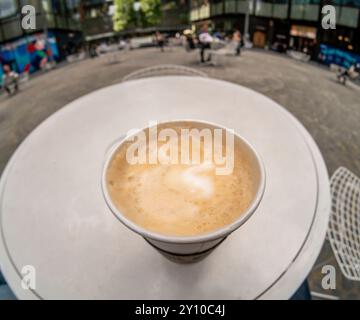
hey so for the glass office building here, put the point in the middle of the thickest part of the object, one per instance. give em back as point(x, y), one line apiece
point(175, 15)
point(293, 23)
point(96, 19)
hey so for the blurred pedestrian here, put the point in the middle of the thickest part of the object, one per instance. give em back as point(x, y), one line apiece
point(351, 73)
point(93, 50)
point(313, 50)
point(40, 59)
point(189, 40)
point(103, 48)
point(205, 40)
point(237, 39)
point(122, 44)
point(10, 80)
point(160, 40)
point(218, 35)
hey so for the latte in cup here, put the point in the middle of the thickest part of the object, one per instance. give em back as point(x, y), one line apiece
point(182, 195)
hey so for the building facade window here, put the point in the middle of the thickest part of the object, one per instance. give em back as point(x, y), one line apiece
point(348, 16)
point(245, 6)
point(280, 9)
point(347, 12)
point(230, 6)
point(216, 7)
point(12, 29)
point(7, 8)
point(200, 9)
point(305, 10)
point(204, 11)
point(35, 3)
point(263, 8)
point(272, 8)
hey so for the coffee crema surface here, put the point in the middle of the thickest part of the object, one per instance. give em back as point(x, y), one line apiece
point(180, 199)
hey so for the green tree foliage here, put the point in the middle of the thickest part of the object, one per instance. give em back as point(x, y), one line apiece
point(121, 15)
point(126, 17)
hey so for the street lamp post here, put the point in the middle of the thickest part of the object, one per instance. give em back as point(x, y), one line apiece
point(137, 7)
point(44, 20)
point(247, 19)
point(43, 4)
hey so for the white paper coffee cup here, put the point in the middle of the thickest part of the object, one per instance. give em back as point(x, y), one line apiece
point(191, 248)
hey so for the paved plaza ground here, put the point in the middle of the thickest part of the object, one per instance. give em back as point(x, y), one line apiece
point(329, 110)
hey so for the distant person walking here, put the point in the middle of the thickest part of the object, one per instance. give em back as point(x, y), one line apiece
point(313, 50)
point(189, 40)
point(350, 73)
point(237, 39)
point(205, 40)
point(160, 40)
point(93, 51)
point(10, 80)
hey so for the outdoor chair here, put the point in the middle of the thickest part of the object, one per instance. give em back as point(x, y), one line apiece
point(111, 54)
point(342, 74)
point(164, 70)
point(75, 57)
point(220, 50)
point(344, 225)
point(300, 56)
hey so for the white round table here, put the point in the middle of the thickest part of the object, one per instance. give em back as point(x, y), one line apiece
point(54, 218)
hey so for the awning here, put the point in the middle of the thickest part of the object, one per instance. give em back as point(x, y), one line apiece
point(100, 36)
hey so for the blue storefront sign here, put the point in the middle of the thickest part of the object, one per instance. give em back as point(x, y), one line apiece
point(330, 55)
